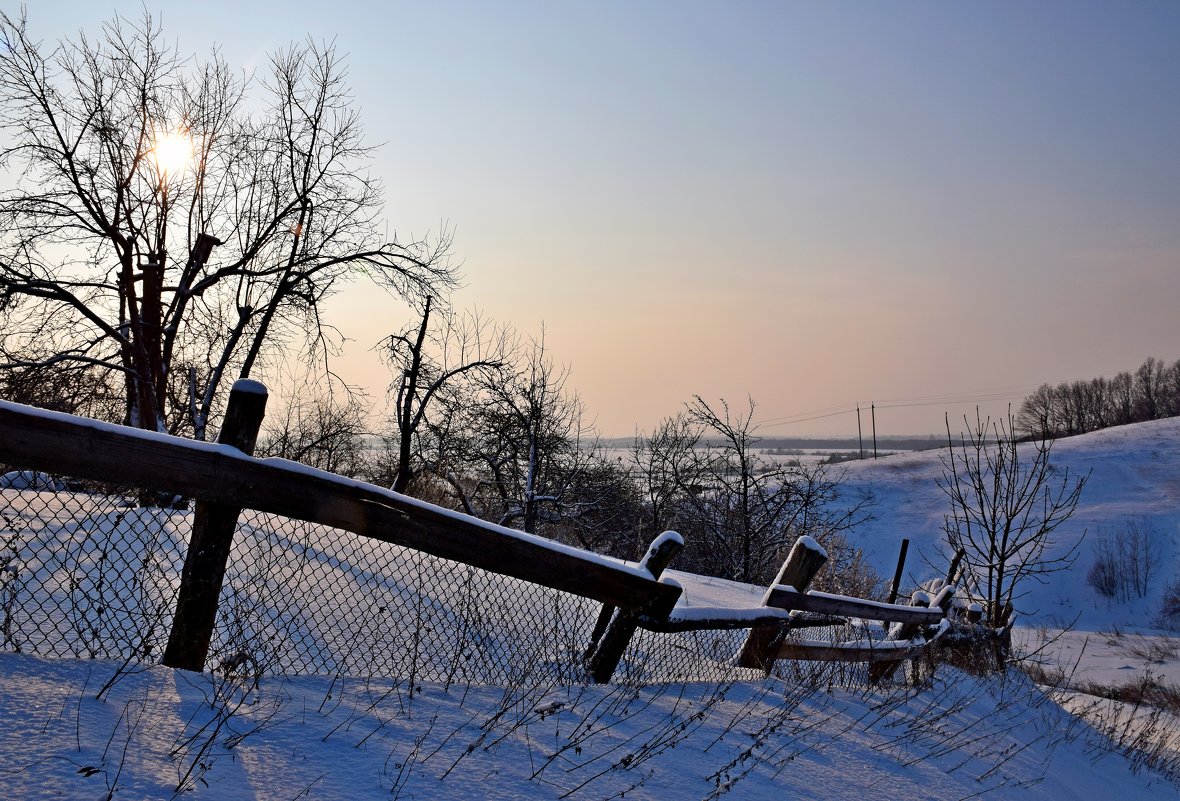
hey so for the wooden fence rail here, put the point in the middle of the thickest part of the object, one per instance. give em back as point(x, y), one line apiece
point(59, 443)
point(225, 479)
point(825, 604)
point(223, 475)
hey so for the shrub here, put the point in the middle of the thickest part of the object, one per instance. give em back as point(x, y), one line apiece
point(1124, 560)
point(1103, 575)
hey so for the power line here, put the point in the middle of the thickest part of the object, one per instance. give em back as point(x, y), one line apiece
point(956, 398)
point(817, 414)
point(946, 402)
point(786, 421)
point(967, 396)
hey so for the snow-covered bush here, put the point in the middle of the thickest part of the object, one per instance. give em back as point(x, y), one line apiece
point(847, 571)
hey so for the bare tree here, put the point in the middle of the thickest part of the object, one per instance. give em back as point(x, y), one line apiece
point(1170, 387)
point(601, 509)
point(746, 511)
point(268, 205)
point(667, 470)
point(1149, 389)
point(1007, 501)
point(322, 424)
point(1077, 407)
point(62, 386)
point(1038, 413)
point(515, 446)
point(429, 362)
point(1122, 399)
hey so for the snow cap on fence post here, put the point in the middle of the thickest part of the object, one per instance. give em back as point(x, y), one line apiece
point(661, 552)
point(805, 559)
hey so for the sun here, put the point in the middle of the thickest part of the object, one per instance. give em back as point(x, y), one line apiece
point(172, 151)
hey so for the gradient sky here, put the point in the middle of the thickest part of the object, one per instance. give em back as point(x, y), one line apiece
point(816, 204)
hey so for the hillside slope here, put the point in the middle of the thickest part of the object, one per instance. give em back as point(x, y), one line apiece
point(1134, 475)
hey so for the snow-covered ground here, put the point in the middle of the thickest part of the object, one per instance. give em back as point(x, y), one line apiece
point(156, 733)
point(158, 730)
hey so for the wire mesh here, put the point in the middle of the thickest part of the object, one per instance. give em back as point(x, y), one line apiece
point(87, 572)
point(90, 571)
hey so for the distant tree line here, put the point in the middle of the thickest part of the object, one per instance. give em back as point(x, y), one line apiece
point(1075, 407)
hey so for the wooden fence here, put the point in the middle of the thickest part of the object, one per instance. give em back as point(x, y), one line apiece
point(223, 479)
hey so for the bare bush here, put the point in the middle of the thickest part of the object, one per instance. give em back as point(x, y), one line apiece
point(1124, 560)
point(1006, 503)
point(847, 571)
point(1103, 574)
point(740, 513)
point(325, 429)
point(1152, 649)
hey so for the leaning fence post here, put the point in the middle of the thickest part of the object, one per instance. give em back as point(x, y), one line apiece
point(893, 588)
point(210, 540)
point(954, 567)
point(805, 559)
point(620, 625)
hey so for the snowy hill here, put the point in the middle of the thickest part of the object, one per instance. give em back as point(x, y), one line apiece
point(1134, 476)
point(1134, 481)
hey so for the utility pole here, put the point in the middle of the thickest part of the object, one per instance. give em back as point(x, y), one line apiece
point(874, 410)
point(859, 437)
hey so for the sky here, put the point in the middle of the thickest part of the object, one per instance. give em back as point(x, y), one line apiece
point(918, 205)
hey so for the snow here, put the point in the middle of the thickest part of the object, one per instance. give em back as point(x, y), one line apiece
point(1134, 474)
point(657, 544)
point(708, 591)
point(342, 738)
point(728, 613)
point(1064, 623)
point(249, 386)
point(30, 480)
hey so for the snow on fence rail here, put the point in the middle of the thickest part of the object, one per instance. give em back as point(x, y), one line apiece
point(422, 591)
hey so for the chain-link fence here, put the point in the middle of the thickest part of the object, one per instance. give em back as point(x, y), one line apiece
point(87, 571)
